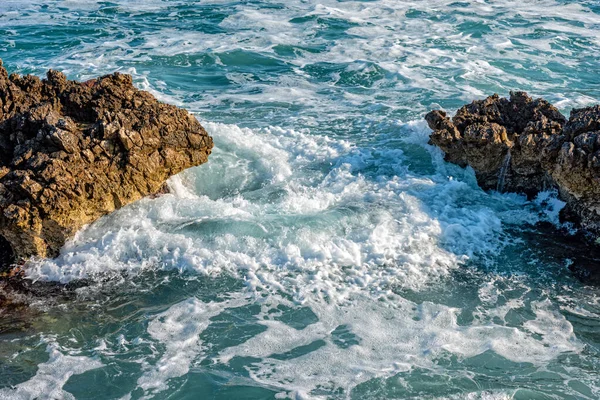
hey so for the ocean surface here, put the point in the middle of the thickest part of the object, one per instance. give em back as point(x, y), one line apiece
point(325, 251)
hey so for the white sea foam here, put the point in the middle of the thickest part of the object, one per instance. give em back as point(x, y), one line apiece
point(51, 376)
point(389, 338)
point(178, 329)
point(551, 205)
point(428, 53)
point(295, 211)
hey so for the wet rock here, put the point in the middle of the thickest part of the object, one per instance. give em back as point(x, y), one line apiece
point(526, 145)
point(71, 152)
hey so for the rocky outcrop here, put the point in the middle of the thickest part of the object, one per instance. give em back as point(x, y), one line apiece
point(71, 152)
point(526, 145)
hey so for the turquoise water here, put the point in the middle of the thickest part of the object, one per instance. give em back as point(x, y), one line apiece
point(325, 251)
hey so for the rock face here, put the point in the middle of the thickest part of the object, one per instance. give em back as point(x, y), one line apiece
point(527, 146)
point(71, 152)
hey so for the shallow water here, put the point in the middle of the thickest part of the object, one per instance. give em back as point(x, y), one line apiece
point(326, 250)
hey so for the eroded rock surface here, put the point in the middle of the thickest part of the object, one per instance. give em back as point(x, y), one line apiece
point(526, 145)
point(71, 152)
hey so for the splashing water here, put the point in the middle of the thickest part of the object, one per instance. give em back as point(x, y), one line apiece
point(503, 171)
point(325, 251)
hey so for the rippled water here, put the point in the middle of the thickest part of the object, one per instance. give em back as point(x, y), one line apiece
point(325, 251)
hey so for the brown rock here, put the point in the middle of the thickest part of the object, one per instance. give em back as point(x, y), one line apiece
point(526, 145)
point(71, 152)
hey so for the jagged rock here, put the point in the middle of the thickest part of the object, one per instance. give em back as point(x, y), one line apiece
point(71, 152)
point(527, 146)
point(576, 170)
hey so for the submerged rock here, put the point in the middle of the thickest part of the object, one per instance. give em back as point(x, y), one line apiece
point(71, 152)
point(526, 145)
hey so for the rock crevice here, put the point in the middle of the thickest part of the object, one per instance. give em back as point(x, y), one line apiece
point(526, 145)
point(71, 152)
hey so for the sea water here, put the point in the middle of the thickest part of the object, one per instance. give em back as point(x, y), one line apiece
point(325, 251)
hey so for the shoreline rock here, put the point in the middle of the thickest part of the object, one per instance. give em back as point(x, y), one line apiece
point(526, 145)
point(71, 152)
